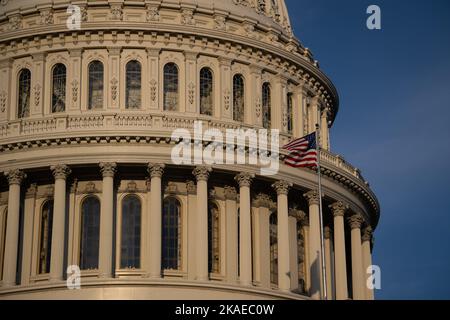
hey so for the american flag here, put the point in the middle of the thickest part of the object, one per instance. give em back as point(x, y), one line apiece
point(302, 152)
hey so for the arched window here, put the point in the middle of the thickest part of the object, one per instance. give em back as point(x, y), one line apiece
point(273, 248)
point(90, 230)
point(133, 85)
point(2, 239)
point(45, 237)
point(290, 115)
point(59, 75)
point(23, 106)
point(171, 234)
point(266, 105)
point(206, 92)
point(213, 239)
point(130, 247)
point(95, 85)
point(171, 85)
point(238, 98)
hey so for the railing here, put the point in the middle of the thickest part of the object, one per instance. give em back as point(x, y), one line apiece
point(162, 123)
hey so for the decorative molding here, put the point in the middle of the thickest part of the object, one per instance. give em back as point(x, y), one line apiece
point(108, 169)
point(153, 89)
point(3, 98)
point(60, 171)
point(191, 187)
point(37, 94)
point(244, 179)
point(75, 90)
point(187, 16)
point(46, 16)
point(114, 88)
point(155, 170)
point(312, 197)
point(202, 173)
point(15, 176)
point(152, 13)
point(367, 234)
point(355, 221)
point(191, 93)
point(230, 193)
point(282, 187)
point(116, 12)
point(338, 209)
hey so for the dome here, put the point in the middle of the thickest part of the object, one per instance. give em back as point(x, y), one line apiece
point(99, 100)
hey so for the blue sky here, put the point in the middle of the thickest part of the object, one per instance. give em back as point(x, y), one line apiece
point(393, 124)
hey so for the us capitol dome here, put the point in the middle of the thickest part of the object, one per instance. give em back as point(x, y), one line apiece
point(88, 182)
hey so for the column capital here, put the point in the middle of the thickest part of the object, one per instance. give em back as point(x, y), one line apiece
point(230, 193)
point(202, 173)
point(262, 201)
point(297, 214)
point(31, 191)
point(312, 197)
point(338, 208)
point(282, 187)
point(355, 221)
point(367, 234)
point(327, 233)
point(191, 188)
point(15, 176)
point(156, 170)
point(108, 169)
point(60, 171)
point(244, 179)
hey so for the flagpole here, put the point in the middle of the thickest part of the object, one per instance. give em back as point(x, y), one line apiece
point(322, 241)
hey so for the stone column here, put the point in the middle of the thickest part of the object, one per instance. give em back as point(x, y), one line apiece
point(107, 220)
point(294, 216)
point(245, 230)
point(202, 176)
point(28, 223)
point(231, 234)
point(328, 262)
point(358, 282)
point(367, 258)
point(313, 114)
point(338, 209)
point(60, 172)
point(15, 178)
point(315, 251)
point(324, 130)
point(155, 228)
point(191, 188)
point(282, 189)
point(261, 234)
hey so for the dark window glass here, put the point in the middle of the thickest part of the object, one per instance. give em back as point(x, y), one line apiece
point(206, 92)
point(213, 239)
point(273, 248)
point(171, 237)
point(59, 75)
point(95, 85)
point(133, 85)
point(289, 112)
point(238, 98)
point(171, 84)
point(45, 241)
point(23, 108)
point(130, 248)
point(90, 230)
point(266, 105)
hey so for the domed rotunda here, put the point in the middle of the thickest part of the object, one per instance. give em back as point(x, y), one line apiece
point(92, 203)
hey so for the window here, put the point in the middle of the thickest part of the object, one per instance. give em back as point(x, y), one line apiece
point(59, 88)
point(95, 85)
point(289, 112)
point(213, 239)
point(130, 247)
point(45, 238)
point(206, 92)
point(171, 94)
point(2, 239)
point(238, 98)
point(90, 230)
point(266, 105)
point(301, 257)
point(171, 234)
point(133, 85)
point(273, 248)
point(23, 107)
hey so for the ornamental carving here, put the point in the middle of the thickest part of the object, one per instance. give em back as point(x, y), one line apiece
point(114, 84)
point(90, 188)
point(75, 90)
point(3, 98)
point(244, 179)
point(367, 234)
point(15, 176)
point(116, 12)
point(258, 107)
point(191, 187)
point(226, 95)
point(191, 93)
point(108, 169)
point(262, 201)
point(187, 16)
point(60, 171)
point(37, 94)
point(46, 16)
point(230, 193)
point(355, 221)
point(15, 22)
point(153, 13)
point(153, 84)
point(220, 23)
point(312, 197)
point(338, 208)
point(327, 233)
point(202, 173)
point(155, 170)
point(282, 187)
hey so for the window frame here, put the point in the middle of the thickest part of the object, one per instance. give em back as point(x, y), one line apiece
point(165, 83)
point(52, 83)
point(103, 96)
point(19, 91)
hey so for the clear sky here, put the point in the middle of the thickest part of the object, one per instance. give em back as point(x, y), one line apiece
point(393, 124)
